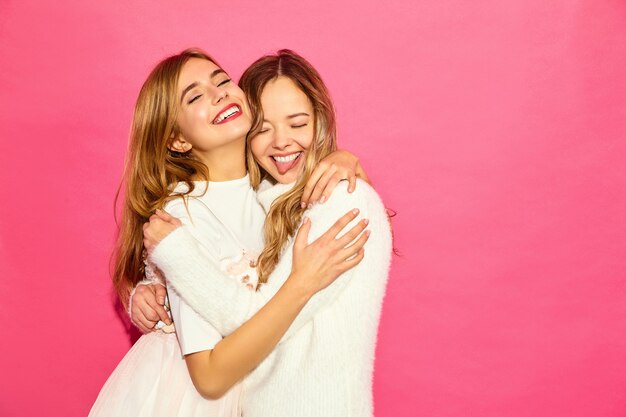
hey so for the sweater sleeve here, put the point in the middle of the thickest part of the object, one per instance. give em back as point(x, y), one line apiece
point(199, 281)
point(377, 248)
point(225, 304)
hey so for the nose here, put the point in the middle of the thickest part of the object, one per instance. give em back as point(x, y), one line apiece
point(281, 139)
point(219, 94)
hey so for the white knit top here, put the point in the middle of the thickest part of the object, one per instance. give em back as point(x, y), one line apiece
point(323, 366)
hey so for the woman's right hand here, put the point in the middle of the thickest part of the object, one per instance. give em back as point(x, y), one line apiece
point(157, 228)
point(318, 264)
point(147, 307)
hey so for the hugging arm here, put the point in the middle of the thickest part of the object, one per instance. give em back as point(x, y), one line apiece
point(214, 371)
point(339, 165)
point(147, 300)
point(226, 304)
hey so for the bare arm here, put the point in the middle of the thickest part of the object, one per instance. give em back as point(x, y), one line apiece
point(315, 267)
point(197, 279)
point(147, 300)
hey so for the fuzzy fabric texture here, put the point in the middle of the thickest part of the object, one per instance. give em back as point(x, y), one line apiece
point(323, 366)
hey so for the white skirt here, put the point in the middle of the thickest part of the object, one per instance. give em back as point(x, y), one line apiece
point(152, 381)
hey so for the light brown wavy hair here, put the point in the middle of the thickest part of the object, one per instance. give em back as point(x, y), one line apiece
point(151, 168)
point(285, 213)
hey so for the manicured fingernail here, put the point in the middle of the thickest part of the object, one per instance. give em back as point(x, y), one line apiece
point(310, 205)
point(322, 199)
point(305, 220)
point(355, 211)
point(365, 221)
point(303, 204)
point(367, 232)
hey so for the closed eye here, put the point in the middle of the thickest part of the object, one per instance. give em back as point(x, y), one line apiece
point(297, 126)
point(226, 81)
point(194, 98)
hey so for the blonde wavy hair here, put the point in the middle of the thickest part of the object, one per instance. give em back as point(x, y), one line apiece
point(151, 168)
point(285, 213)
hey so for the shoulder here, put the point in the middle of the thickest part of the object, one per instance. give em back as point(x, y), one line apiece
point(364, 197)
point(186, 209)
point(177, 207)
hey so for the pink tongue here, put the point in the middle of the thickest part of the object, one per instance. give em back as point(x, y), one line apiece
point(285, 166)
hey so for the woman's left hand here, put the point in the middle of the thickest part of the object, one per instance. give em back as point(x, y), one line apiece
point(339, 165)
point(157, 228)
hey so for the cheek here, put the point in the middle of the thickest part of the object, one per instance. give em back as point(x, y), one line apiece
point(258, 146)
point(306, 139)
point(189, 119)
point(200, 113)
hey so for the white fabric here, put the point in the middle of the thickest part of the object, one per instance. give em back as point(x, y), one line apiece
point(214, 213)
point(324, 364)
point(152, 379)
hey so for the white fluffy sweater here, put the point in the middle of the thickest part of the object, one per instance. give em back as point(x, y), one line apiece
point(323, 366)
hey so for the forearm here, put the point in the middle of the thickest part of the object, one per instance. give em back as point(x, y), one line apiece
point(224, 303)
point(214, 372)
point(220, 300)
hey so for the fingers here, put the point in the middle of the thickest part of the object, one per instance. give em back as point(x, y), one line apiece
point(148, 316)
point(340, 224)
point(145, 325)
point(318, 172)
point(352, 234)
point(159, 303)
point(320, 186)
point(160, 292)
point(145, 309)
point(349, 251)
point(141, 327)
point(163, 215)
point(351, 183)
point(330, 187)
point(168, 218)
point(302, 235)
point(159, 310)
point(354, 261)
point(141, 321)
point(157, 229)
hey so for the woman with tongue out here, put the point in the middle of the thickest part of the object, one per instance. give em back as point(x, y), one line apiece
point(187, 155)
point(323, 365)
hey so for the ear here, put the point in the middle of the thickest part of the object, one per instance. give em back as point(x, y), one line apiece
point(179, 144)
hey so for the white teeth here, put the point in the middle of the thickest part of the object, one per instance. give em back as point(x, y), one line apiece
point(226, 114)
point(287, 158)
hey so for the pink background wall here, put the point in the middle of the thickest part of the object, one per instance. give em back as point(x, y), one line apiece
point(495, 128)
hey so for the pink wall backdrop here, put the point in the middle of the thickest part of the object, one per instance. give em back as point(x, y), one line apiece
point(496, 129)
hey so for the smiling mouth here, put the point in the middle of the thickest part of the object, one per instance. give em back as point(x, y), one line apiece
point(227, 114)
point(286, 162)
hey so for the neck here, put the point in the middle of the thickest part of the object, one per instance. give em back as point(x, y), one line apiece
point(227, 162)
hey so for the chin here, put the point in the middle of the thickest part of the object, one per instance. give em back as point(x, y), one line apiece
point(286, 178)
point(238, 130)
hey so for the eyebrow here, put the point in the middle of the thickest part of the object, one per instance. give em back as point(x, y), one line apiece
point(195, 84)
point(291, 116)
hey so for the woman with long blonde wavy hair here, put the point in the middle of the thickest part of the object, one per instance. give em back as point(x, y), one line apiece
point(187, 155)
point(323, 365)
